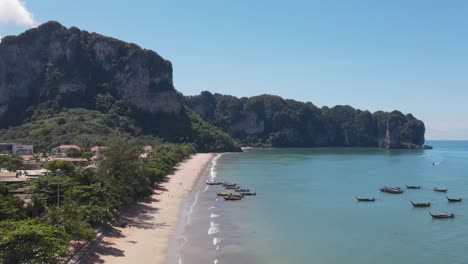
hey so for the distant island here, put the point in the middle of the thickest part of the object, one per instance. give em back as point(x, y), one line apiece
point(67, 86)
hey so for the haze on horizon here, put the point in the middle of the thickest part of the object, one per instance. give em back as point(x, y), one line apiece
point(406, 55)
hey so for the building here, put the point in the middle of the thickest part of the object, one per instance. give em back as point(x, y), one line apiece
point(15, 148)
point(96, 150)
point(148, 149)
point(65, 148)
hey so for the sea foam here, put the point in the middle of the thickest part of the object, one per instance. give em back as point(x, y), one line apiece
point(217, 241)
point(213, 173)
point(212, 215)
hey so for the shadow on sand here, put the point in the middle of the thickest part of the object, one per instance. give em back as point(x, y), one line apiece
point(138, 216)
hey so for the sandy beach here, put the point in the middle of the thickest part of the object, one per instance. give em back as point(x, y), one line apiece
point(152, 222)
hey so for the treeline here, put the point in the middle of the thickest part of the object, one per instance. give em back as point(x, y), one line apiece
point(268, 120)
point(46, 128)
point(71, 204)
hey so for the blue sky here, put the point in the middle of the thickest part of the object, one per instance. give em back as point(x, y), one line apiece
point(375, 55)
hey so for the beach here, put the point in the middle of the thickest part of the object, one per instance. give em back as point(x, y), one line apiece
point(152, 222)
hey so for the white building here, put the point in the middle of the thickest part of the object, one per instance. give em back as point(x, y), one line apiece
point(16, 148)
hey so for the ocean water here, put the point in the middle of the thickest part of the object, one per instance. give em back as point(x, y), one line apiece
point(305, 210)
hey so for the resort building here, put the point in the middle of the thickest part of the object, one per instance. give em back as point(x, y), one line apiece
point(14, 148)
point(65, 148)
point(96, 150)
point(148, 149)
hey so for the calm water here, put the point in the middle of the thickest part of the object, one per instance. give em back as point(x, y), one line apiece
point(305, 210)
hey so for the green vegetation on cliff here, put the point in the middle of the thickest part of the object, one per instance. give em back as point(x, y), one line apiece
point(48, 127)
point(50, 71)
point(268, 120)
point(64, 85)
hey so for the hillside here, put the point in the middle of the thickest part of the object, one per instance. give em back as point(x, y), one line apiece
point(63, 85)
point(268, 120)
point(49, 69)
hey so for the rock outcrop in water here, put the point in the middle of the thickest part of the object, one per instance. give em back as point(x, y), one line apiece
point(274, 121)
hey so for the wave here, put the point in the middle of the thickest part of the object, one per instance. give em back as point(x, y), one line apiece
point(213, 230)
point(217, 241)
point(213, 172)
point(216, 261)
point(189, 214)
point(212, 215)
point(212, 207)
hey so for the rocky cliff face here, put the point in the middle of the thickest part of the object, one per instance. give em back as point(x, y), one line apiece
point(51, 62)
point(273, 121)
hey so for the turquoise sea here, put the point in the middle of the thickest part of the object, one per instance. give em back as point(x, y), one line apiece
point(305, 210)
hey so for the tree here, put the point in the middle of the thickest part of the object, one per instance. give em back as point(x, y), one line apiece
point(64, 166)
point(87, 155)
point(123, 171)
point(50, 189)
point(94, 203)
point(73, 153)
point(30, 241)
point(10, 162)
point(11, 208)
point(3, 188)
point(71, 221)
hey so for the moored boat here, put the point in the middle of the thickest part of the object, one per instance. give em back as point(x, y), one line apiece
point(232, 198)
point(443, 215)
point(392, 190)
point(224, 194)
point(413, 187)
point(365, 199)
point(454, 200)
point(242, 190)
point(237, 195)
point(213, 183)
point(227, 184)
point(230, 187)
point(249, 193)
point(440, 189)
point(423, 204)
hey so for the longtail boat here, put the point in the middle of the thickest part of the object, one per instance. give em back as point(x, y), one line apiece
point(365, 199)
point(213, 183)
point(232, 198)
point(230, 187)
point(392, 190)
point(442, 216)
point(242, 190)
point(227, 184)
point(237, 195)
point(440, 190)
point(249, 193)
point(425, 204)
point(413, 187)
point(454, 200)
point(224, 194)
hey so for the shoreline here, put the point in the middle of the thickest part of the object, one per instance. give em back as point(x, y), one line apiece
point(152, 223)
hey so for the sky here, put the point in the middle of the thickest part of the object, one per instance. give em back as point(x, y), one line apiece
point(410, 56)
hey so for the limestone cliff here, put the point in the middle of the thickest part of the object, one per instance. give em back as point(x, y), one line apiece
point(268, 120)
point(49, 69)
point(52, 62)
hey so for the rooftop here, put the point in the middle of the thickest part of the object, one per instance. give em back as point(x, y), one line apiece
point(68, 147)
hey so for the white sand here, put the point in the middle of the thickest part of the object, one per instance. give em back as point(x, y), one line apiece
point(153, 222)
